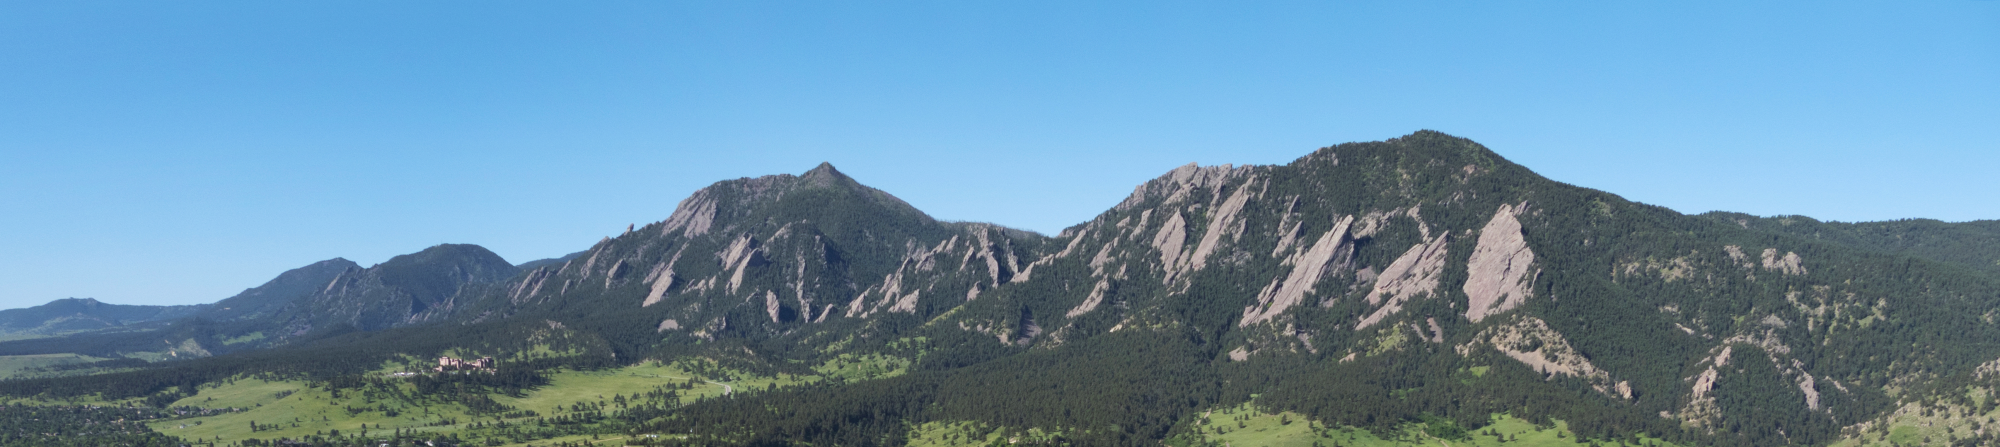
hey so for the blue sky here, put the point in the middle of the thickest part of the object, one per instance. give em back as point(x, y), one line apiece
point(179, 152)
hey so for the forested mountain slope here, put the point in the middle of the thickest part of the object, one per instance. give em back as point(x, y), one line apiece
point(781, 262)
point(267, 299)
point(1422, 286)
point(1974, 244)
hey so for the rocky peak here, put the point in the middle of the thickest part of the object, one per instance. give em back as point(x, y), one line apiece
point(825, 175)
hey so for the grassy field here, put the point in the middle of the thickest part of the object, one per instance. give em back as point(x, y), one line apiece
point(1247, 426)
point(291, 409)
point(11, 365)
point(957, 434)
point(570, 387)
point(1940, 424)
point(863, 367)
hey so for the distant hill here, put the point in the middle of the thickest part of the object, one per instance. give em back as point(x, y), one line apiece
point(84, 314)
point(325, 298)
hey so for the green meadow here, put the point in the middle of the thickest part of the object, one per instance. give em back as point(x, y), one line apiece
point(292, 409)
point(1248, 426)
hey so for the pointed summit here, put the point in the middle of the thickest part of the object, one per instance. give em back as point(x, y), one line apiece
point(825, 175)
point(824, 167)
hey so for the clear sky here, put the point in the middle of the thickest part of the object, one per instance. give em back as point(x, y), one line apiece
point(179, 152)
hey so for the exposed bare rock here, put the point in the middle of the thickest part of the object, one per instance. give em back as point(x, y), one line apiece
point(799, 283)
point(1736, 255)
point(1376, 221)
point(662, 279)
point(1223, 221)
point(591, 262)
point(1806, 385)
point(858, 307)
point(1987, 370)
point(1333, 247)
point(1416, 213)
point(1788, 264)
point(1372, 222)
point(908, 303)
point(1701, 407)
point(703, 285)
point(985, 249)
point(737, 250)
point(892, 292)
point(1501, 267)
point(1288, 227)
point(529, 286)
point(1176, 185)
point(693, 217)
point(1238, 354)
point(617, 271)
point(742, 254)
point(1168, 241)
point(1103, 256)
point(1075, 239)
point(1437, 333)
point(1768, 341)
point(771, 305)
point(1530, 341)
point(1288, 234)
point(668, 325)
point(1410, 275)
point(1145, 219)
point(1090, 303)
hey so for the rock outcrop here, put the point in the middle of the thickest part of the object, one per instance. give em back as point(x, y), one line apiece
point(1501, 269)
point(1331, 249)
point(1413, 274)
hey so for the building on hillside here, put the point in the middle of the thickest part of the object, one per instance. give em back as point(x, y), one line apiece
point(448, 363)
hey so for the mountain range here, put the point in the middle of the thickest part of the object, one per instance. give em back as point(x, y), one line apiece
point(1422, 286)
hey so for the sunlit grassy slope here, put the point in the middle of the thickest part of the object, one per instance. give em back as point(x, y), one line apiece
point(291, 409)
point(1248, 426)
point(11, 365)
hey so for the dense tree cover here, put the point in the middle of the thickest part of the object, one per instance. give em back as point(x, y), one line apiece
point(1974, 244)
point(81, 426)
